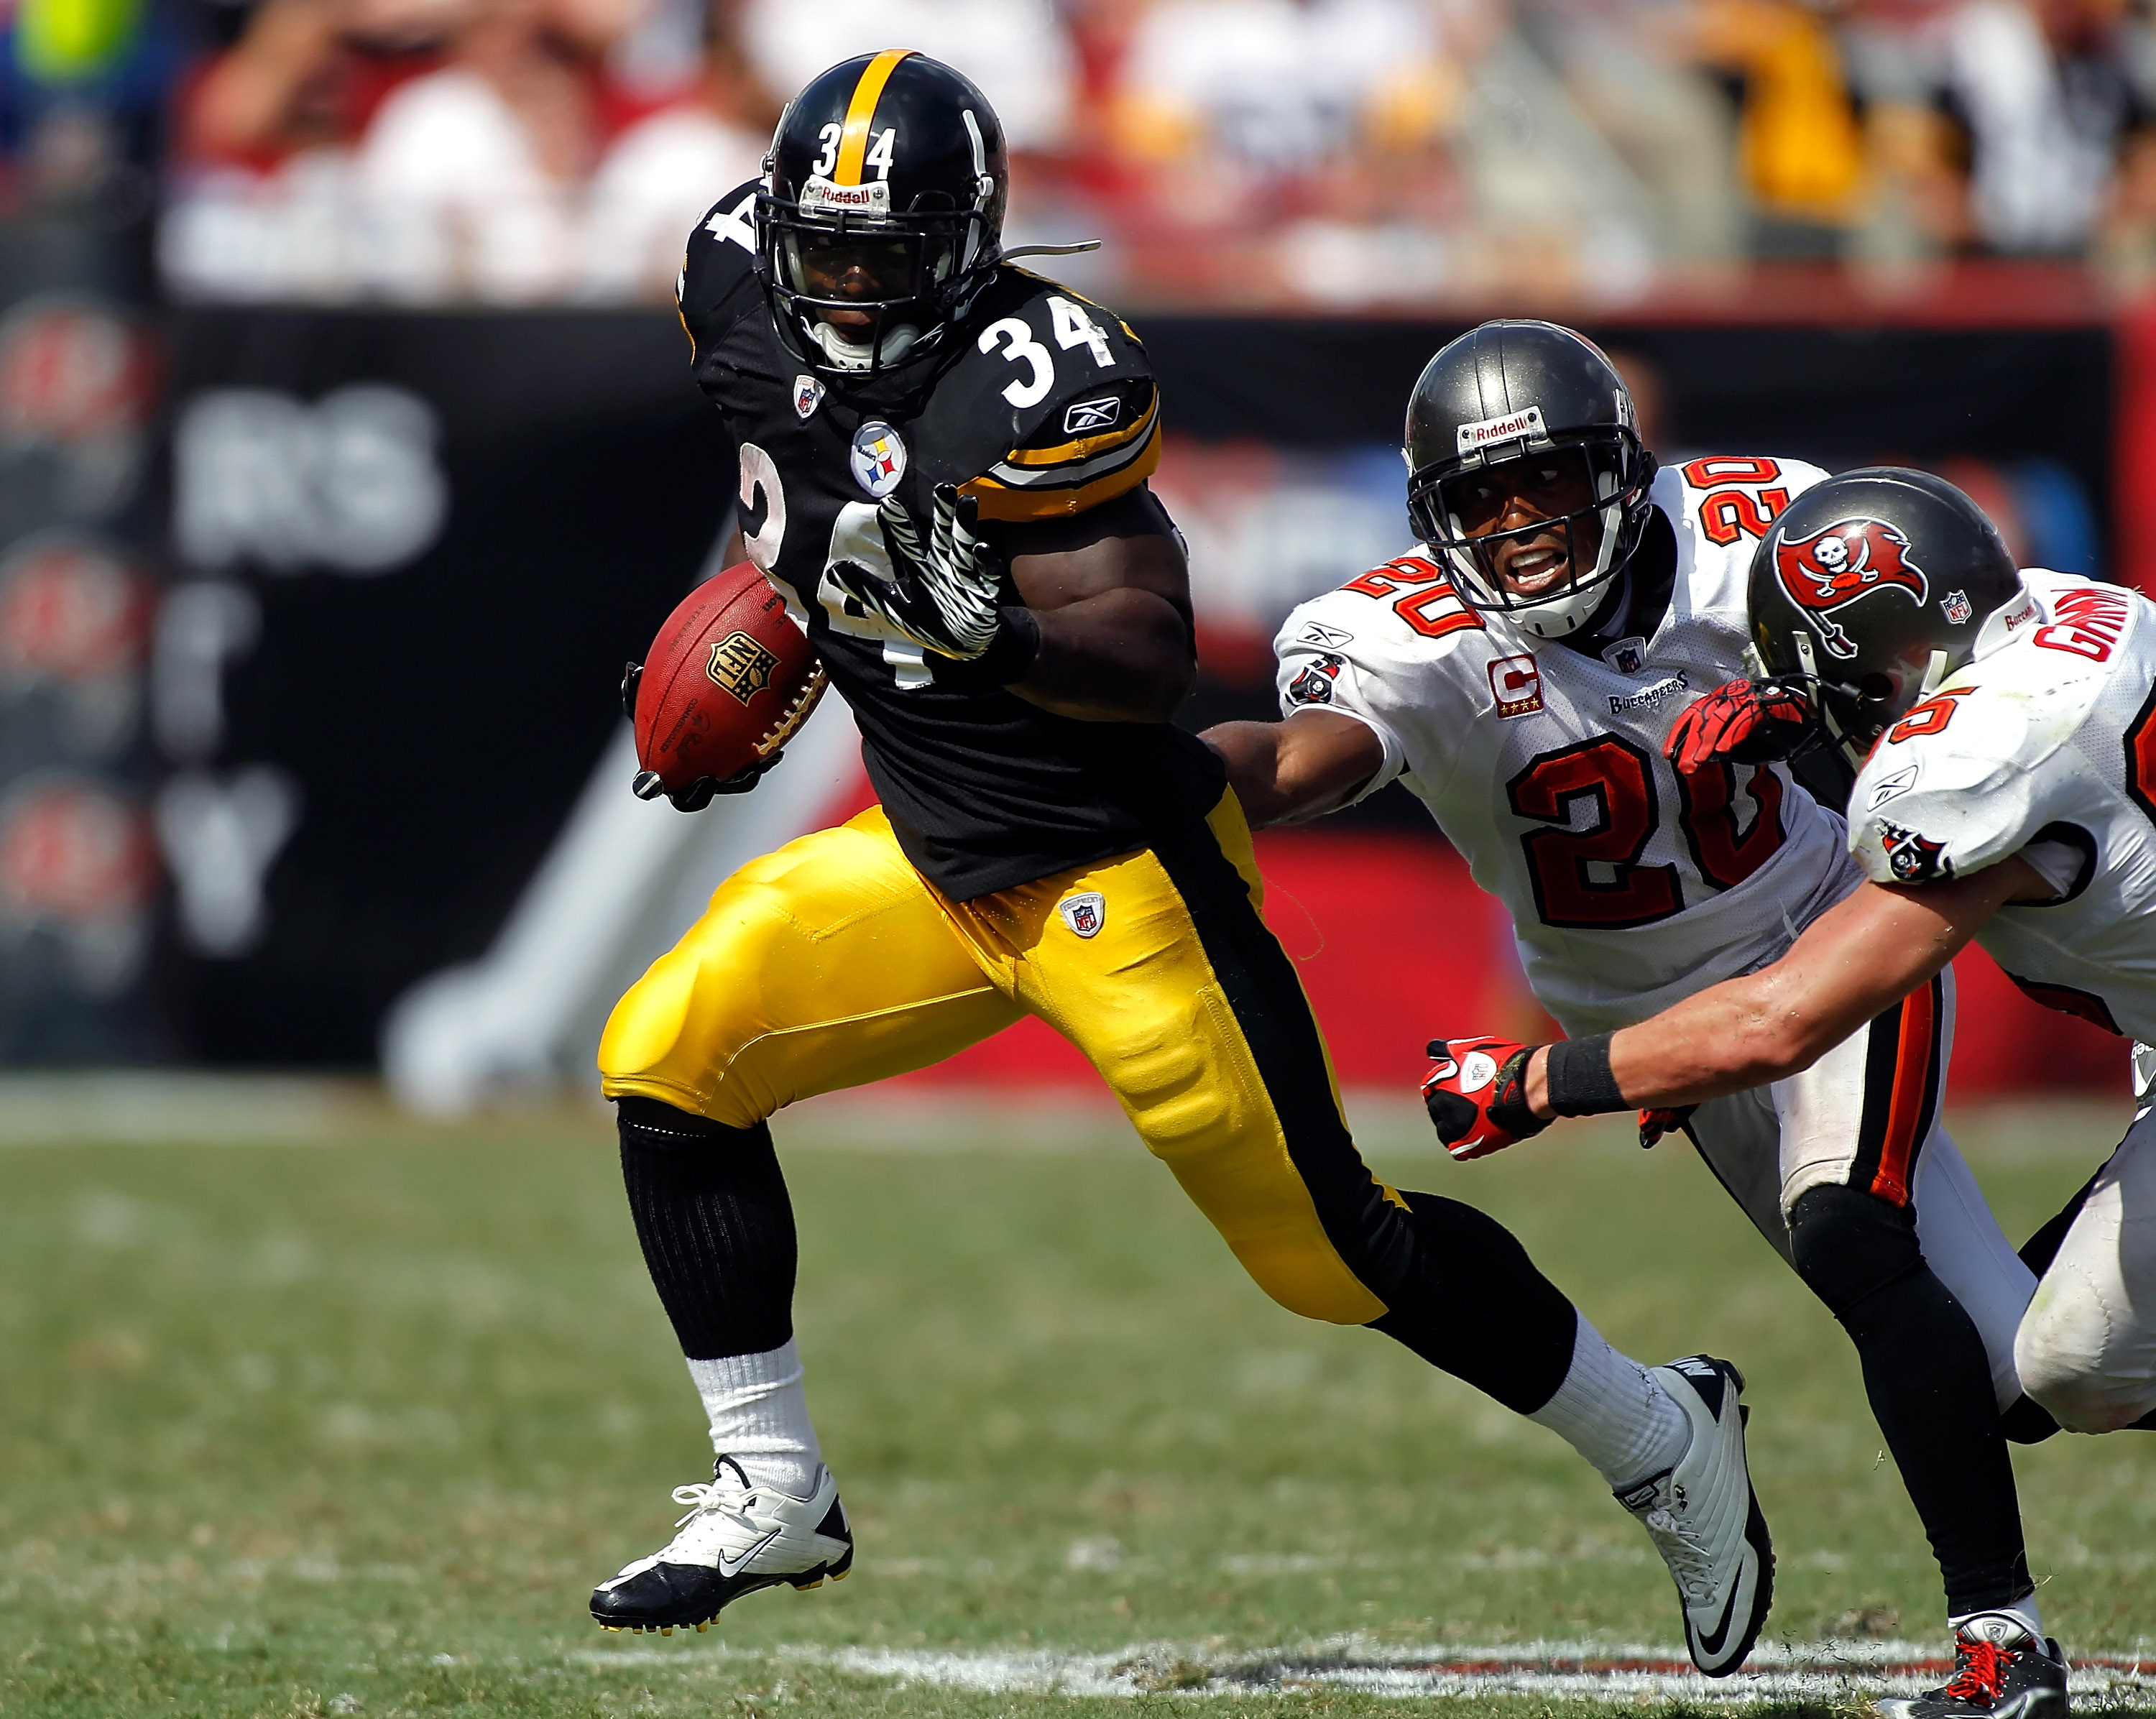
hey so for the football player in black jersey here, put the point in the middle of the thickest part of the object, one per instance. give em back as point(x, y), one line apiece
point(943, 462)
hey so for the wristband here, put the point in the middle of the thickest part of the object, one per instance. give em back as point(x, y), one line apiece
point(1579, 1077)
point(1015, 648)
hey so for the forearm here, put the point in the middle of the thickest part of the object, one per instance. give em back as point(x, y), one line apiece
point(1290, 772)
point(1852, 963)
point(1745, 1033)
point(1124, 655)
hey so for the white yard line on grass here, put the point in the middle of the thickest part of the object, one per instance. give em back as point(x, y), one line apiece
point(1831, 1672)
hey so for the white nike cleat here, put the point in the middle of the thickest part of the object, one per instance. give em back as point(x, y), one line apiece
point(1705, 1519)
point(737, 1538)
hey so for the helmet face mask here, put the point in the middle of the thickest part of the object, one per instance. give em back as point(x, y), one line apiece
point(1527, 475)
point(881, 216)
point(1558, 567)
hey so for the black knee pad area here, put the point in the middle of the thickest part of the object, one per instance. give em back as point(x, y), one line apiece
point(1848, 1244)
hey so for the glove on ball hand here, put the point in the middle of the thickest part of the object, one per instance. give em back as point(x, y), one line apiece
point(700, 792)
point(1477, 1095)
point(1655, 1124)
point(944, 587)
point(1744, 722)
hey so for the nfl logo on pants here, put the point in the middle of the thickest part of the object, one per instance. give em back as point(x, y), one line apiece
point(1084, 912)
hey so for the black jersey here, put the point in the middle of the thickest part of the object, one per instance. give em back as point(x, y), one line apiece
point(1045, 407)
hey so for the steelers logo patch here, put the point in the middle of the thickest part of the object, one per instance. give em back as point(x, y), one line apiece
point(879, 458)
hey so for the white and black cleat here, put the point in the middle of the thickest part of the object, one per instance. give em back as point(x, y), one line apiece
point(737, 1538)
point(1705, 1519)
point(2001, 1671)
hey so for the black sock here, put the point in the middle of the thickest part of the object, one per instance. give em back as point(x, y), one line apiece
point(1475, 1306)
point(1929, 1382)
point(716, 1226)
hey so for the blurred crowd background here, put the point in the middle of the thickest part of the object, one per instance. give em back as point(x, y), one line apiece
point(1335, 153)
point(346, 448)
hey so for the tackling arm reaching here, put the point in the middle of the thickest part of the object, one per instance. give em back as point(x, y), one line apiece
point(1854, 961)
point(1288, 773)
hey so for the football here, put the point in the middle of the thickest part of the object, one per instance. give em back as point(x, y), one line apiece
point(729, 680)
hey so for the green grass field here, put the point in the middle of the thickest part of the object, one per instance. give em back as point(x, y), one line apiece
point(353, 1424)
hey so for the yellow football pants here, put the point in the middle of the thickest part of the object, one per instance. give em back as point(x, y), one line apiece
point(833, 962)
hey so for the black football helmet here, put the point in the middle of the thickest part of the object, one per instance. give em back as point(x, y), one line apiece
point(1869, 589)
point(1515, 391)
point(882, 213)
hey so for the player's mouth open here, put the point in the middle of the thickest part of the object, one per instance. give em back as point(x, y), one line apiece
point(1529, 569)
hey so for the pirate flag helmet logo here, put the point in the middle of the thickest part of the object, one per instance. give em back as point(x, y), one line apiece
point(1849, 560)
point(1870, 588)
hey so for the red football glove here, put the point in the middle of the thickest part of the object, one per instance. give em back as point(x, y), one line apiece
point(1655, 1124)
point(1477, 1095)
point(1744, 722)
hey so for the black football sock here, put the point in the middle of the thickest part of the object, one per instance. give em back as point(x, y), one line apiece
point(1929, 1382)
point(713, 1214)
point(1469, 1302)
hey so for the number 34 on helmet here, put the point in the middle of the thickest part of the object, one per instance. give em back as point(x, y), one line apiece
point(884, 214)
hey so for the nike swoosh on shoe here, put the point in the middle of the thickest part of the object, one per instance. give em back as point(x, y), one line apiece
point(732, 1567)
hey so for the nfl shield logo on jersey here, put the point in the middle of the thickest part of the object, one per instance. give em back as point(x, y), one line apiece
point(879, 458)
point(1085, 913)
point(807, 396)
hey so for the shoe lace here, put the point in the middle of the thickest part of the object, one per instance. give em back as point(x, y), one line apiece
point(1980, 1671)
point(716, 1503)
point(1690, 1563)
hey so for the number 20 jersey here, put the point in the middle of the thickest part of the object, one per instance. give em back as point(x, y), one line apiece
point(1043, 406)
point(2046, 744)
point(1630, 887)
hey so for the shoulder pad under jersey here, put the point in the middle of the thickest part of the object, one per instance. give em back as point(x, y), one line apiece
point(718, 284)
point(1967, 778)
point(1053, 398)
point(1729, 500)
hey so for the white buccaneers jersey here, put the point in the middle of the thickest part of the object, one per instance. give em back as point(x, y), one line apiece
point(1629, 886)
point(2044, 746)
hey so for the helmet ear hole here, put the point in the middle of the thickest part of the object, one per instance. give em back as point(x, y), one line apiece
point(1876, 689)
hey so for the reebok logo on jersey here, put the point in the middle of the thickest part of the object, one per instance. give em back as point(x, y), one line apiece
point(1517, 684)
point(1085, 913)
point(1648, 697)
point(1913, 859)
point(1088, 416)
point(1892, 787)
point(1317, 632)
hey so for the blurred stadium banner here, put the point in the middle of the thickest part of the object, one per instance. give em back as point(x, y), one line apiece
point(408, 554)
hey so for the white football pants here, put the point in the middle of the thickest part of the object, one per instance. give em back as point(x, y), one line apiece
point(2087, 1348)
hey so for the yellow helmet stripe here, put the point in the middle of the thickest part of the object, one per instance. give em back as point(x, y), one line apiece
point(853, 140)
